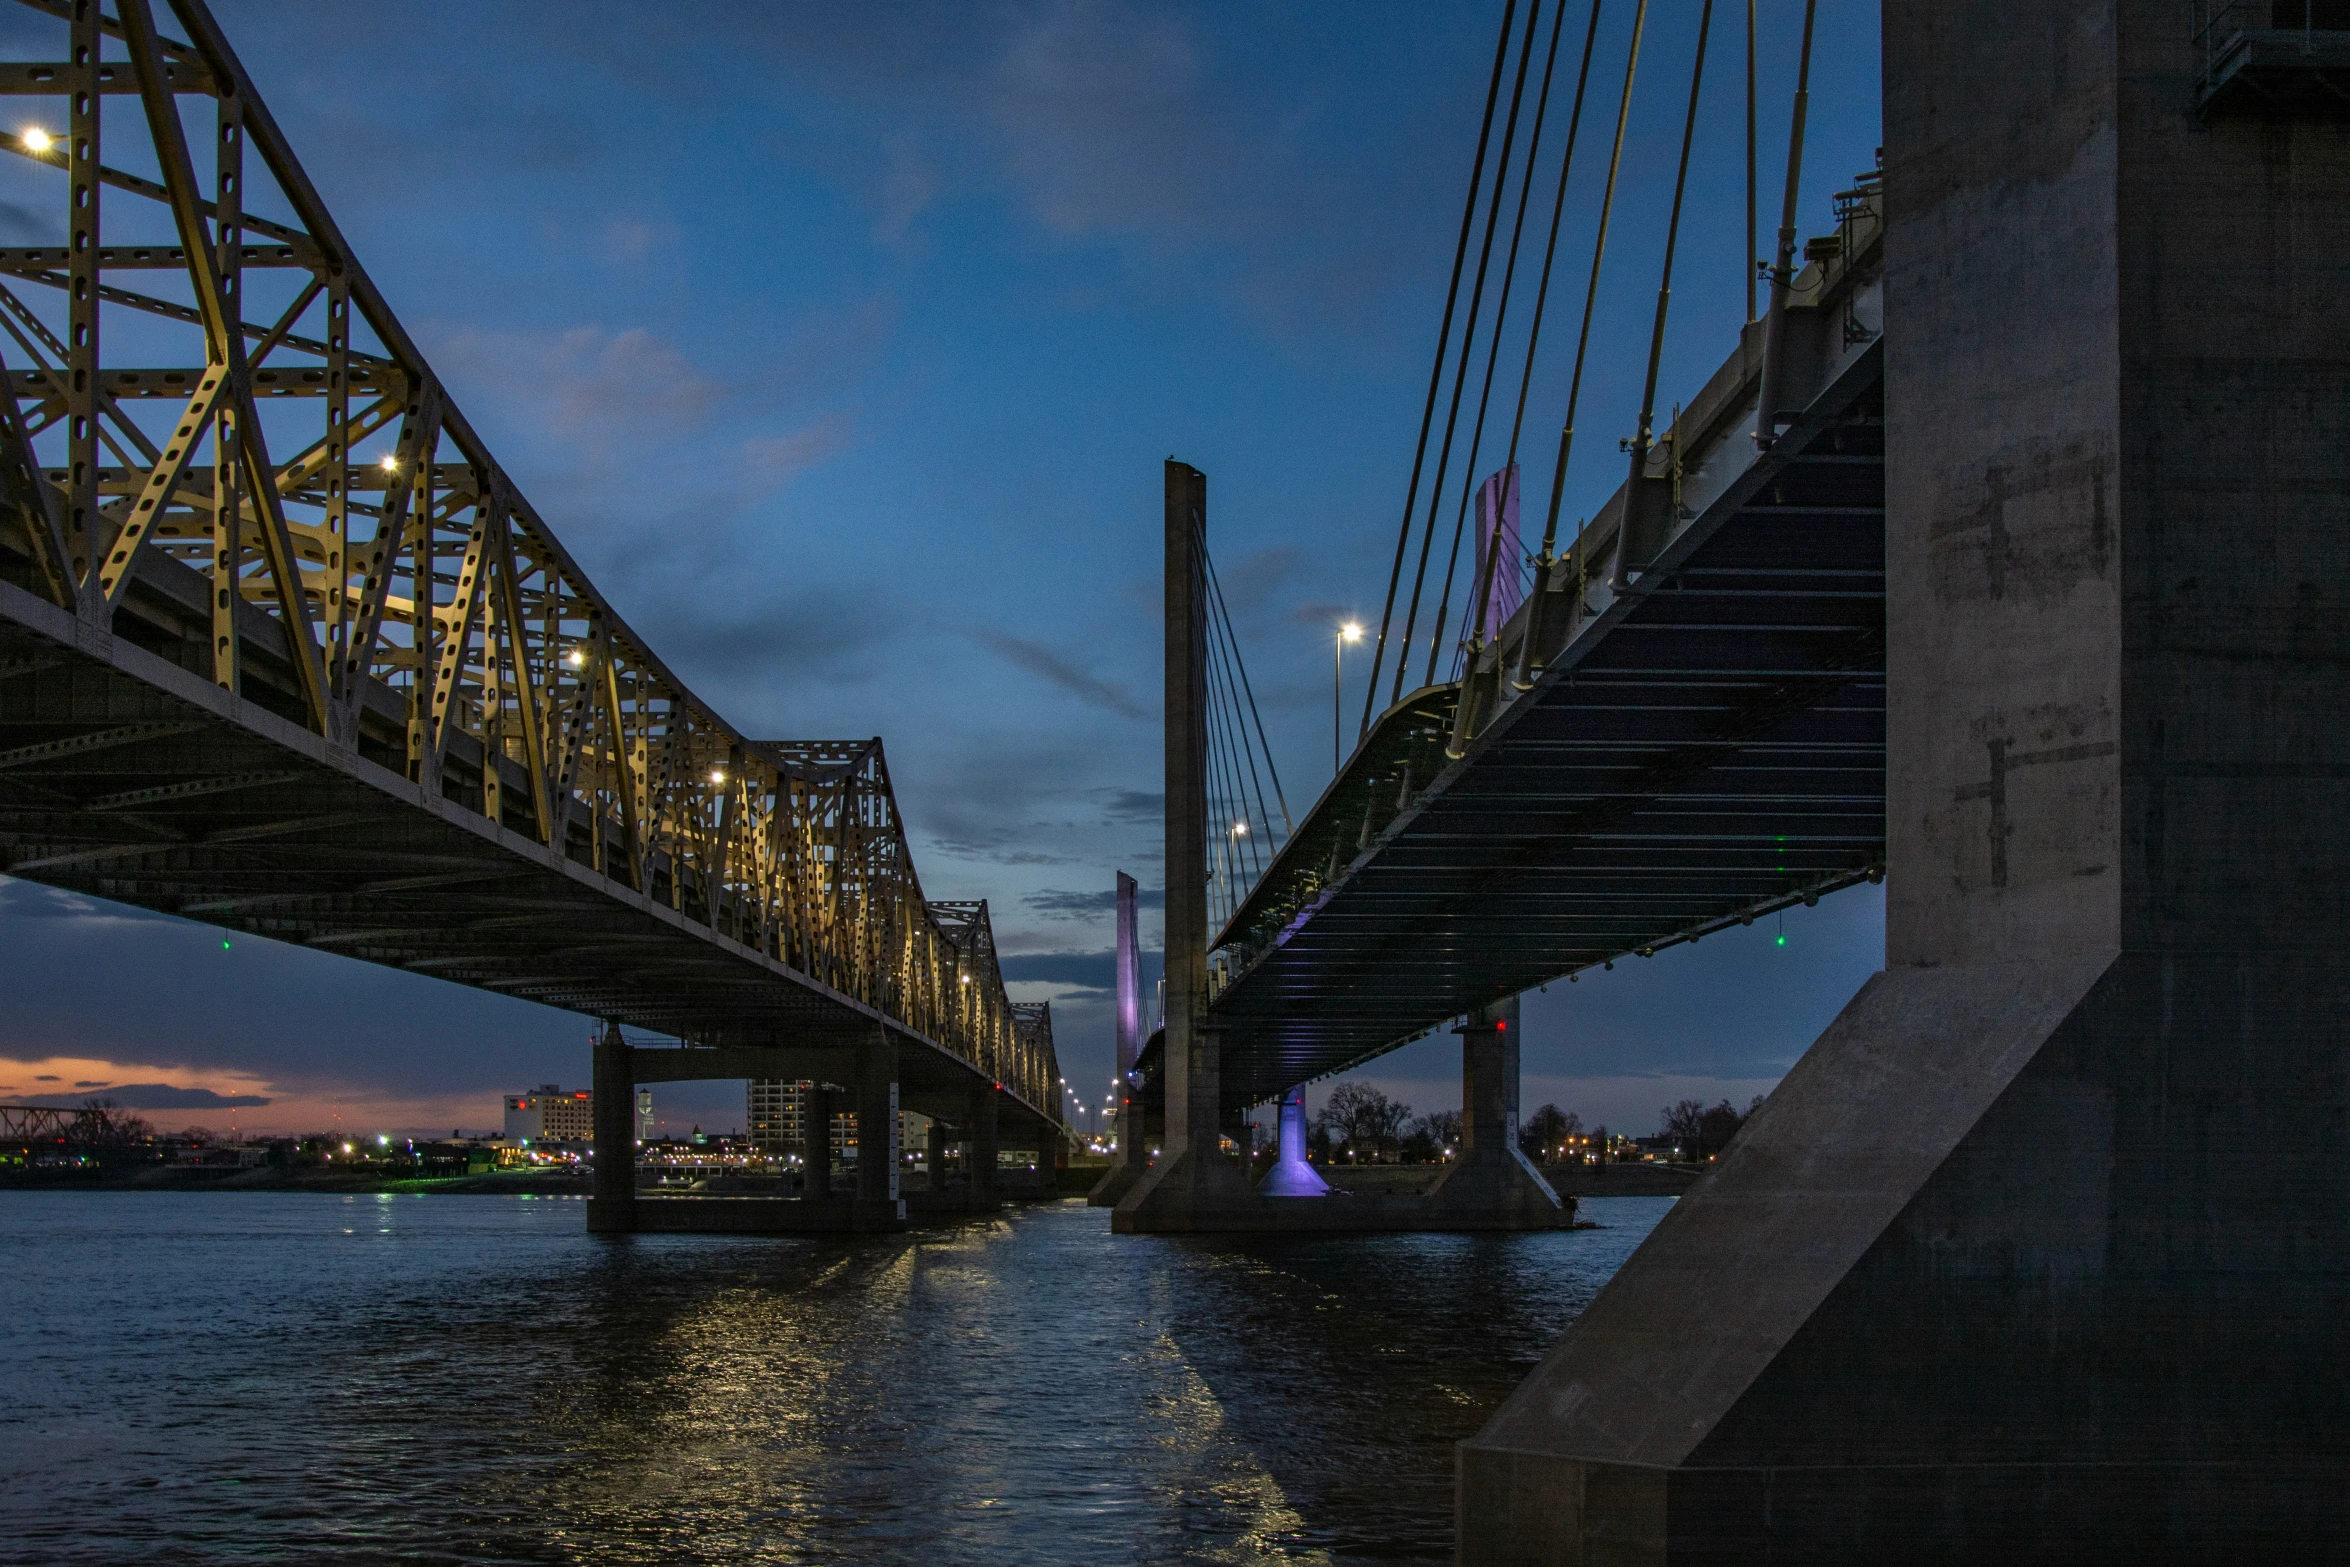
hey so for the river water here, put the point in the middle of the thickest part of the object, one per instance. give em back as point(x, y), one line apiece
point(293, 1377)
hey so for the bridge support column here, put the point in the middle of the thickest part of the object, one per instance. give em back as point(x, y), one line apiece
point(2038, 1254)
point(1293, 1175)
point(936, 1155)
point(979, 1148)
point(1193, 1179)
point(816, 1143)
point(1490, 1175)
point(612, 1196)
point(877, 1129)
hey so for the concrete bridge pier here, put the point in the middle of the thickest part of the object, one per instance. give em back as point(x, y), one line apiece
point(612, 1194)
point(935, 1155)
point(816, 1143)
point(979, 1148)
point(878, 1145)
point(2041, 1254)
point(1490, 1176)
point(1292, 1175)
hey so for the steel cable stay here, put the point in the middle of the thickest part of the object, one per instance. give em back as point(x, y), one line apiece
point(1473, 633)
point(1241, 836)
point(1238, 824)
point(1546, 557)
point(1664, 296)
point(1403, 537)
point(1232, 641)
point(1460, 381)
point(1223, 802)
point(1509, 274)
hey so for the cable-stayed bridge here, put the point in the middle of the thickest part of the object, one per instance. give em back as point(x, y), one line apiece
point(2004, 562)
point(284, 648)
point(1669, 735)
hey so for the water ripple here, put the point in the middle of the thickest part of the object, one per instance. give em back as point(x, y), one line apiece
point(282, 1377)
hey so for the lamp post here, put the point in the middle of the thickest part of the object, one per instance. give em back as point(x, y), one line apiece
point(1350, 632)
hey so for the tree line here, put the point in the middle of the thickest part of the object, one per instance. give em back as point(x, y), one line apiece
point(1361, 1124)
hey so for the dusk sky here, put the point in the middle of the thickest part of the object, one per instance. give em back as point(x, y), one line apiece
point(842, 345)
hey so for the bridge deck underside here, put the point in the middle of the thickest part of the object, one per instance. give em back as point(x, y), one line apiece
point(128, 778)
point(1712, 746)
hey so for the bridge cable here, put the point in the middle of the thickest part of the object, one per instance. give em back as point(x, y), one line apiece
point(1225, 743)
point(1607, 205)
point(1501, 308)
point(1558, 210)
point(1260, 845)
point(1752, 259)
point(1460, 382)
point(1244, 756)
point(1766, 423)
point(1664, 296)
point(1460, 255)
point(1222, 656)
point(1483, 586)
point(1216, 591)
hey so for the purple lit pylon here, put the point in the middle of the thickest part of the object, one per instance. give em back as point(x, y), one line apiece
point(1291, 1176)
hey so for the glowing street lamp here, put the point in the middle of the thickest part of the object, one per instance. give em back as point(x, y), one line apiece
point(36, 140)
point(1352, 631)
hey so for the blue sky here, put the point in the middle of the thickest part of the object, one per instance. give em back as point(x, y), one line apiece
point(842, 345)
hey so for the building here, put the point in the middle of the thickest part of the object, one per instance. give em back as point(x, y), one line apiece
point(551, 1114)
point(776, 1113)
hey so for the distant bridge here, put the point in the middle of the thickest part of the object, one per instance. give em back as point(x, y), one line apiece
point(369, 704)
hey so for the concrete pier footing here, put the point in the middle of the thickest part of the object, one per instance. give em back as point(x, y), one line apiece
point(614, 1172)
point(2042, 1253)
point(1292, 1175)
point(1491, 1176)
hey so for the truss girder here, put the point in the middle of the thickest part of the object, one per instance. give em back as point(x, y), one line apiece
point(400, 653)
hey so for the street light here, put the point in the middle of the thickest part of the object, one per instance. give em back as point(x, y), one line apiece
point(1352, 631)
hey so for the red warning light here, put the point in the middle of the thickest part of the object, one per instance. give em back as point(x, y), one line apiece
point(1501, 1025)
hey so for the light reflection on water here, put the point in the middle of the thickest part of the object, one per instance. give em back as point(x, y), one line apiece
point(226, 1376)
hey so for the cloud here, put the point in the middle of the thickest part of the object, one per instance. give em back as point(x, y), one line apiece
point(1256, 576)
point(778, 459)
point(28, 227)
point(1046, 664)
point(1053, 903)
point(1133, 805)
point(1092, 971)
point(170, 1096)
point(582, 382)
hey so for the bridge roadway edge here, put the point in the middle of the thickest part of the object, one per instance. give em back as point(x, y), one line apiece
point(106, 678)
point(2041, 1254)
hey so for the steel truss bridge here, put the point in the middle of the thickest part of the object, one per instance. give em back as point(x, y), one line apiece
point(372, 706)
point(1680, 729)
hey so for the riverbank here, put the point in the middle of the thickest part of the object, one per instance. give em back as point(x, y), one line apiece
point(170, 1178)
